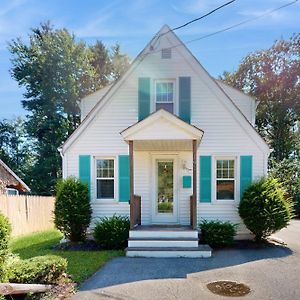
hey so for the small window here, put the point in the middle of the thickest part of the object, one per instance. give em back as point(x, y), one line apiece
point(164, 95)
point(12, 192)
point(105, 178)
point(166, 53)
point(225, 179)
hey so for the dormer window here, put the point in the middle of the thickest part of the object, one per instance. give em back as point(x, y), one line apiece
point(164, 95)
point(166, 53)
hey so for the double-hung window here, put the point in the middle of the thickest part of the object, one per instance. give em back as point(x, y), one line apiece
point(225, 179)
point(105, 178)
point(164, 95)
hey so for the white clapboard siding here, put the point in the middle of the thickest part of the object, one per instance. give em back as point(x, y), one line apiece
point(223, 135)
point(245, 103)
point(88, 102)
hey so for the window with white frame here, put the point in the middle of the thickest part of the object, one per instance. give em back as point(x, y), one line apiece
point(164, 95)
point(225, 179)
point(105, 178)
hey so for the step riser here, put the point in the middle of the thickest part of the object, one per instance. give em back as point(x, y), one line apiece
point(162, 243)
point(162, 234)
point(169, 254)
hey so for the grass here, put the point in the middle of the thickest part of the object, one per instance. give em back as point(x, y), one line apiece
point(81, 264)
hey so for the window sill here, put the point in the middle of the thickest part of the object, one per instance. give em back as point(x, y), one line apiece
point(107, 201)
point(224, 201)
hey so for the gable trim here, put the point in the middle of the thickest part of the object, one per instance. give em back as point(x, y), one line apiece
point(195, 132)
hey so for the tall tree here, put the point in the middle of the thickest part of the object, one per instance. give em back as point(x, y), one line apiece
point(56, 72)
point(101, 63)
point(272, 76)
point(120, 62)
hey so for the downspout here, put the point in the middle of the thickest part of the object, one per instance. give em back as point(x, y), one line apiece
point(60, 150)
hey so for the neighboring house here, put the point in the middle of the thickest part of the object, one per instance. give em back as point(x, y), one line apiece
point(186, 140)
point(10, 183)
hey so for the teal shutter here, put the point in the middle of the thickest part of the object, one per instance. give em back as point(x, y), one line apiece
point(245, 172)
point(144, 98)
point(124, 178)
point(185, 99)
point(205, 178)
point(85, 170)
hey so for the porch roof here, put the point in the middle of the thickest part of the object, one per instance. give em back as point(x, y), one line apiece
point(162, 131)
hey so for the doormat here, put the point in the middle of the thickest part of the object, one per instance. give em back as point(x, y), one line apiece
point(228, 288)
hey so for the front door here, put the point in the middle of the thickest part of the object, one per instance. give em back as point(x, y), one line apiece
point(164, 194)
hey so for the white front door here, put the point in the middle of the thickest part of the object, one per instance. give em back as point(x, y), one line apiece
point(164, 193)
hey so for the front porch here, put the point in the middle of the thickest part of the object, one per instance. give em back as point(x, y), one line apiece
point(169, 144)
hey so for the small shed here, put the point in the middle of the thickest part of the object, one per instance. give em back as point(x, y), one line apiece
point(10, 183)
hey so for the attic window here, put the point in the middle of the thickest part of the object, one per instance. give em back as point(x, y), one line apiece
point(166, 53)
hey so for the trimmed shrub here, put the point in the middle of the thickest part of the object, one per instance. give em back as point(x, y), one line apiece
point(112, 233)
point(5, 231)
point(264, 208)
point(217, 233)
point(72, 209)
point(288, 173)
point(40, 269)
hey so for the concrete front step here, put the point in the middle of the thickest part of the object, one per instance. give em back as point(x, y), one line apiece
point(163, 233)
point(163, 242)
point(202, 251)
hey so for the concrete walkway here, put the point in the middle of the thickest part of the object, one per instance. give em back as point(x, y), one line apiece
point(271, 273)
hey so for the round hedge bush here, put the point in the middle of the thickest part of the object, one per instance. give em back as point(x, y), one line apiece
point(72, 212)
point(264, 208)
point(112, 233)
point(5, 231)
point(217, 233)
point(46, 269)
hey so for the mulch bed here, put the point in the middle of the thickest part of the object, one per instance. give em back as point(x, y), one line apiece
point(250, 244)
point(88, 245)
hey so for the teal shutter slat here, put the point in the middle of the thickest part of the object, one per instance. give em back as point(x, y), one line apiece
point(205, 178)
point(245, 172)
point(85, 170)
point(124, 178)
point(185, 99)
point(144, 98)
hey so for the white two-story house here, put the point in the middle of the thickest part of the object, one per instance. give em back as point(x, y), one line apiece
point(167, 145)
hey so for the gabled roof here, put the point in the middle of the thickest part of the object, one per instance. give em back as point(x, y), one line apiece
point(9, 170)
point(197, 67)
point(161, 119)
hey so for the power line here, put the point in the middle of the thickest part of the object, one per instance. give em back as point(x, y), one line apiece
point(204, 16)
point(195, 20)
point(232, 26)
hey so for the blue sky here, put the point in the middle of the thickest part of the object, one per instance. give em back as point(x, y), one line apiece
point(132, 23)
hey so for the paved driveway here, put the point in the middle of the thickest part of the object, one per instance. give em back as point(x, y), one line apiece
point(271, 273)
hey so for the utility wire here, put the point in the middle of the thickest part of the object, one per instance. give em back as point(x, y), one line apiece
point(232, 26)
point(202, 17)
point(195, 20)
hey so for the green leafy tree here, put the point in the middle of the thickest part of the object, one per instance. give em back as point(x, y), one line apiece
point(56, 72)
point(102, 63)
point(120, 62)
point(272, 77)
point(287, 172)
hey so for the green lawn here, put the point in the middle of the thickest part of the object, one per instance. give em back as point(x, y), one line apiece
point(81, 264)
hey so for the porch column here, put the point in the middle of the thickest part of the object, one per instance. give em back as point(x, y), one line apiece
point(131, 186)
point(194, 201)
